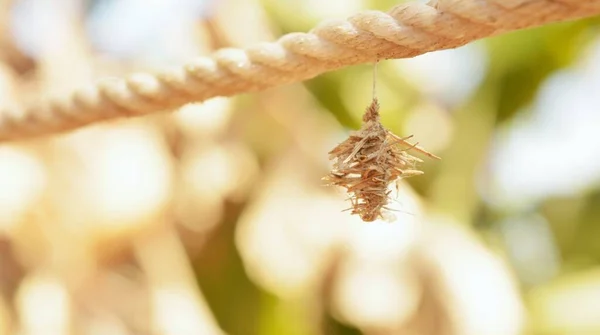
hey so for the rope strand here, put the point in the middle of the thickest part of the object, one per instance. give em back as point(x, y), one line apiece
point(405, 31)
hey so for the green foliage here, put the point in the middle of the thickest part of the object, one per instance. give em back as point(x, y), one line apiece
point(521, 61)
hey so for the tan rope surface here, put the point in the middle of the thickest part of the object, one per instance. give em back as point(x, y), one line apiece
point(405, 31)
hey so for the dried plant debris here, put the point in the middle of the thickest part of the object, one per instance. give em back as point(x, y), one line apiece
point(369, 161)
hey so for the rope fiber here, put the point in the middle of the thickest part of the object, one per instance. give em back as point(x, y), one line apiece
point(405, 31)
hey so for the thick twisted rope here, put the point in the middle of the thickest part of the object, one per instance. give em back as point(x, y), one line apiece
point(405, 31)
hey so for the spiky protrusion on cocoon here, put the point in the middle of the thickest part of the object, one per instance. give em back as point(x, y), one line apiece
point(369, 161)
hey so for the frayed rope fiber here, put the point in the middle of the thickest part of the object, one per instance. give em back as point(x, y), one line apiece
point(405, 31)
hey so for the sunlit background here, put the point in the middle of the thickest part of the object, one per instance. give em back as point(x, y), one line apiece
point(213, 219)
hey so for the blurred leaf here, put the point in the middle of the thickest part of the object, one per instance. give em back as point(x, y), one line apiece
point(232, 297)
point(383, 5)
point(588, 230)
point(521, 61)
point(284, 317)
point(334, 327)
point(325, 89)
point(569, 305)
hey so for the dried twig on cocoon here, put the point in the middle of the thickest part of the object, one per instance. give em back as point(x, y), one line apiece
point(369, 161)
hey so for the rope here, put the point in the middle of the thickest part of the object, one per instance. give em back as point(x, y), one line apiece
point(405, 31)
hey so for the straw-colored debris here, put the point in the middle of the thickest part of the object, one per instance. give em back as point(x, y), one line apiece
point(369, 161)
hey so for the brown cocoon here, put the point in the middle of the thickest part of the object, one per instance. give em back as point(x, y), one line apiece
point(369, 161)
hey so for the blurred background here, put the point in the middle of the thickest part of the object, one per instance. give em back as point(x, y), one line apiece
point(213, 219)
